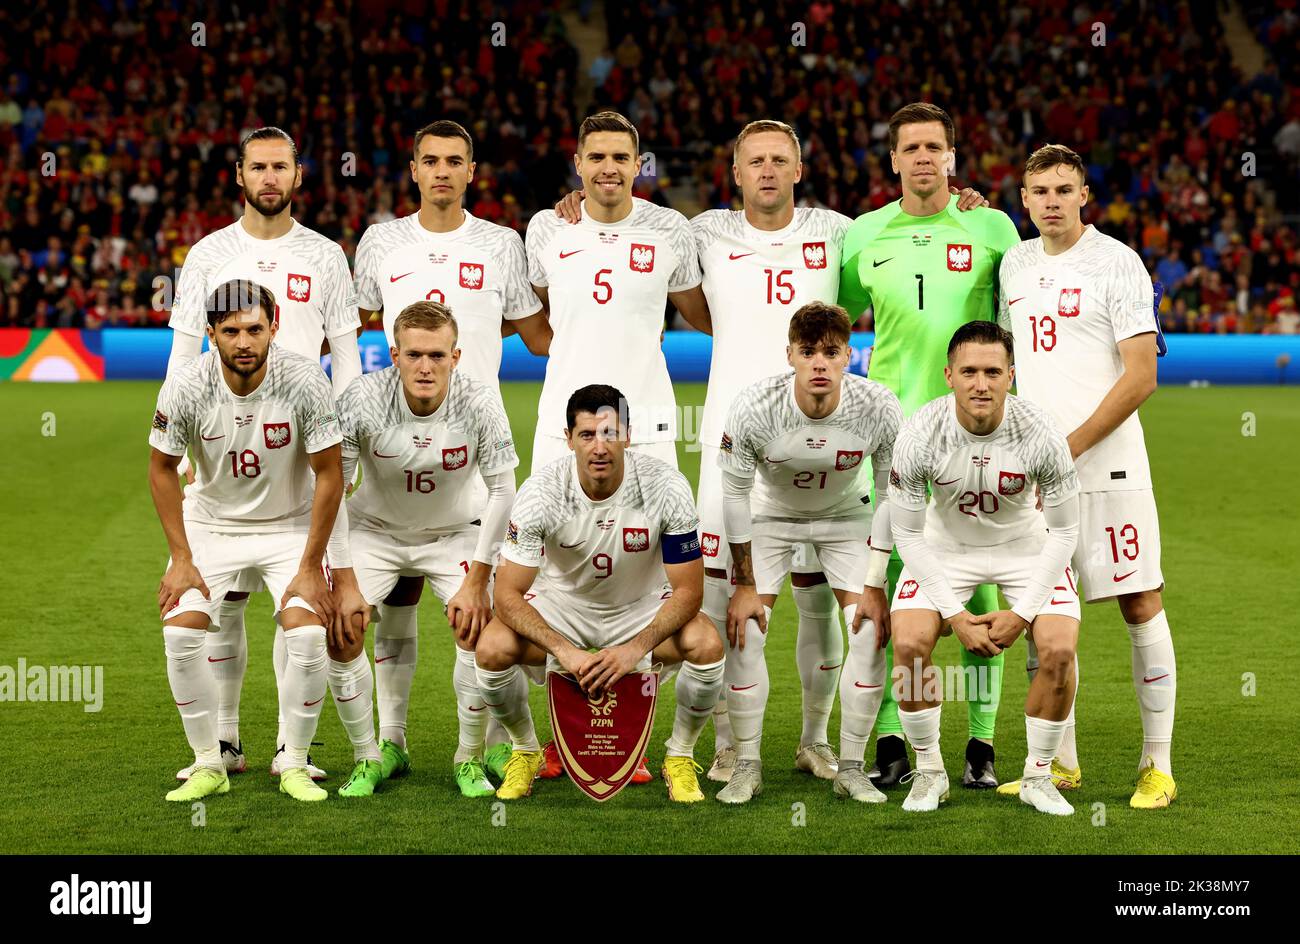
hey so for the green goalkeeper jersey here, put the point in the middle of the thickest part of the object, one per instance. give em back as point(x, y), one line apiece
point(924, 277)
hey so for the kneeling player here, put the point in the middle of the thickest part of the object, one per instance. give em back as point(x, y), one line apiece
point(598, 515)
point(423, 432)
point(260, 421)
point(983, 454)
point(806, 435)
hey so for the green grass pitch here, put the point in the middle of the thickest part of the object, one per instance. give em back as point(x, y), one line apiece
point(83, 553)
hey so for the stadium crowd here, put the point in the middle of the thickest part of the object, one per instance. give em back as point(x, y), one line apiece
point(117, 162)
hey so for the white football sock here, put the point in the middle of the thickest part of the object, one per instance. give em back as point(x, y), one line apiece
point(396, 647)
point(862, 687)
point(819, 652)
point(493, 733)
point(353, 688)
point(1155, 676)
point(194, 691)
point(922, 730)
point(303, 691)
point(228, 656)
point(697, 692)
point(470, 710)
point(717, 593)
point(1043, 740)
point(746, 685)
point(279, 660)
point(506, 695)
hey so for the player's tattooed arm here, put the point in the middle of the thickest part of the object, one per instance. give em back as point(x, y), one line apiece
point(745, 603)
point(694, 307)
point(512, 582)
point(182, 575)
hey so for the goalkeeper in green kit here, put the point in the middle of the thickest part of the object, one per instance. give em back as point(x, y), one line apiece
point(925, 269)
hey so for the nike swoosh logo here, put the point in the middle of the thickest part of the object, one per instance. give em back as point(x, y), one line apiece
point(733, 256)
point(384, 659)
point(380, 455)
point(744, 688)
point(394, 278)
point(213, 438)
point(828, 668)
point(860, 685)
point(565, 255)
point(876, 265)
point(775, 461)
point(182, 704)
point(309, 704)
point(491, 705)
point(569, 547)
point(1041, 763)
point(1014, 300)
point(949, 482)
point(357, 695)
point(1125, 577)
point(1156, 679)
point(222, 659)
point(1056, 602)
point(479, 708)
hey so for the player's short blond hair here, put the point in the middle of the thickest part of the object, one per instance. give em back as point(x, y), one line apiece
point(760, 126)
point(819, 322)
point(425, 316)
point(1049, 156)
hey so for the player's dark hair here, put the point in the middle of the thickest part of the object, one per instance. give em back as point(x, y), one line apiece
point(592, 399)
point(981, 332)
point(238, 295)
point(819, 322)
point(608, 121)
point(427, 316)
point(443, 128)
point(269, 133)
point(920, 113)
point(1049, 156)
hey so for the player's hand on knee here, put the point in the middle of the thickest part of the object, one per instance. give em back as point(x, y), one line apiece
point(873, 605)
point(180, 576)
point(468, 612)
point(309, 583)
point(351, 611)
point(968, 198)
point(973, 636)
point(569, 206)
point(745, 605)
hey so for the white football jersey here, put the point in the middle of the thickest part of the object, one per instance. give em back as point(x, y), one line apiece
point(420, 474)
point(982, 486)
point(477, 270)
point(307, 273)
point(755, 280)
point(608, 285)
point(250, 453)
point(608, 553)
point(1068, 313)
point(810, 468)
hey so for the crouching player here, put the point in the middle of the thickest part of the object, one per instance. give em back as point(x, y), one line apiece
point(983, 454)
point(259, 421)
point(807, 437)
point(423, 432)
point(622, 573)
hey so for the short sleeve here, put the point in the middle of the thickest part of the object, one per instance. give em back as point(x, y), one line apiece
point(519, 299)
point(1058, 481)
point(349, 417)
point(853, 297)
point(909, 475)
point(736, 453)
point(496, 443)
point(889, 422)
point(365, 287)
point(534, 244)
point(340, 305)
point(525, 534)
point(189, 307)
point(679, 515)
point(317, 418)
point(170, 432)
point(688, 273)
point(1130, 304)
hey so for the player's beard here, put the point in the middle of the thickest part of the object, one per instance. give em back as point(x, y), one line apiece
point(244, 371)
point(274, 209)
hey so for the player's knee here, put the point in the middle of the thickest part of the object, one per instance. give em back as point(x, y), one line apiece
point(406, 592)
point(192, 619)
point(700, 642)
point(909, 644)
point(348, 651)
point(294, 617)
point(1140, 607)
point(1055, 660)
point(495, 651)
